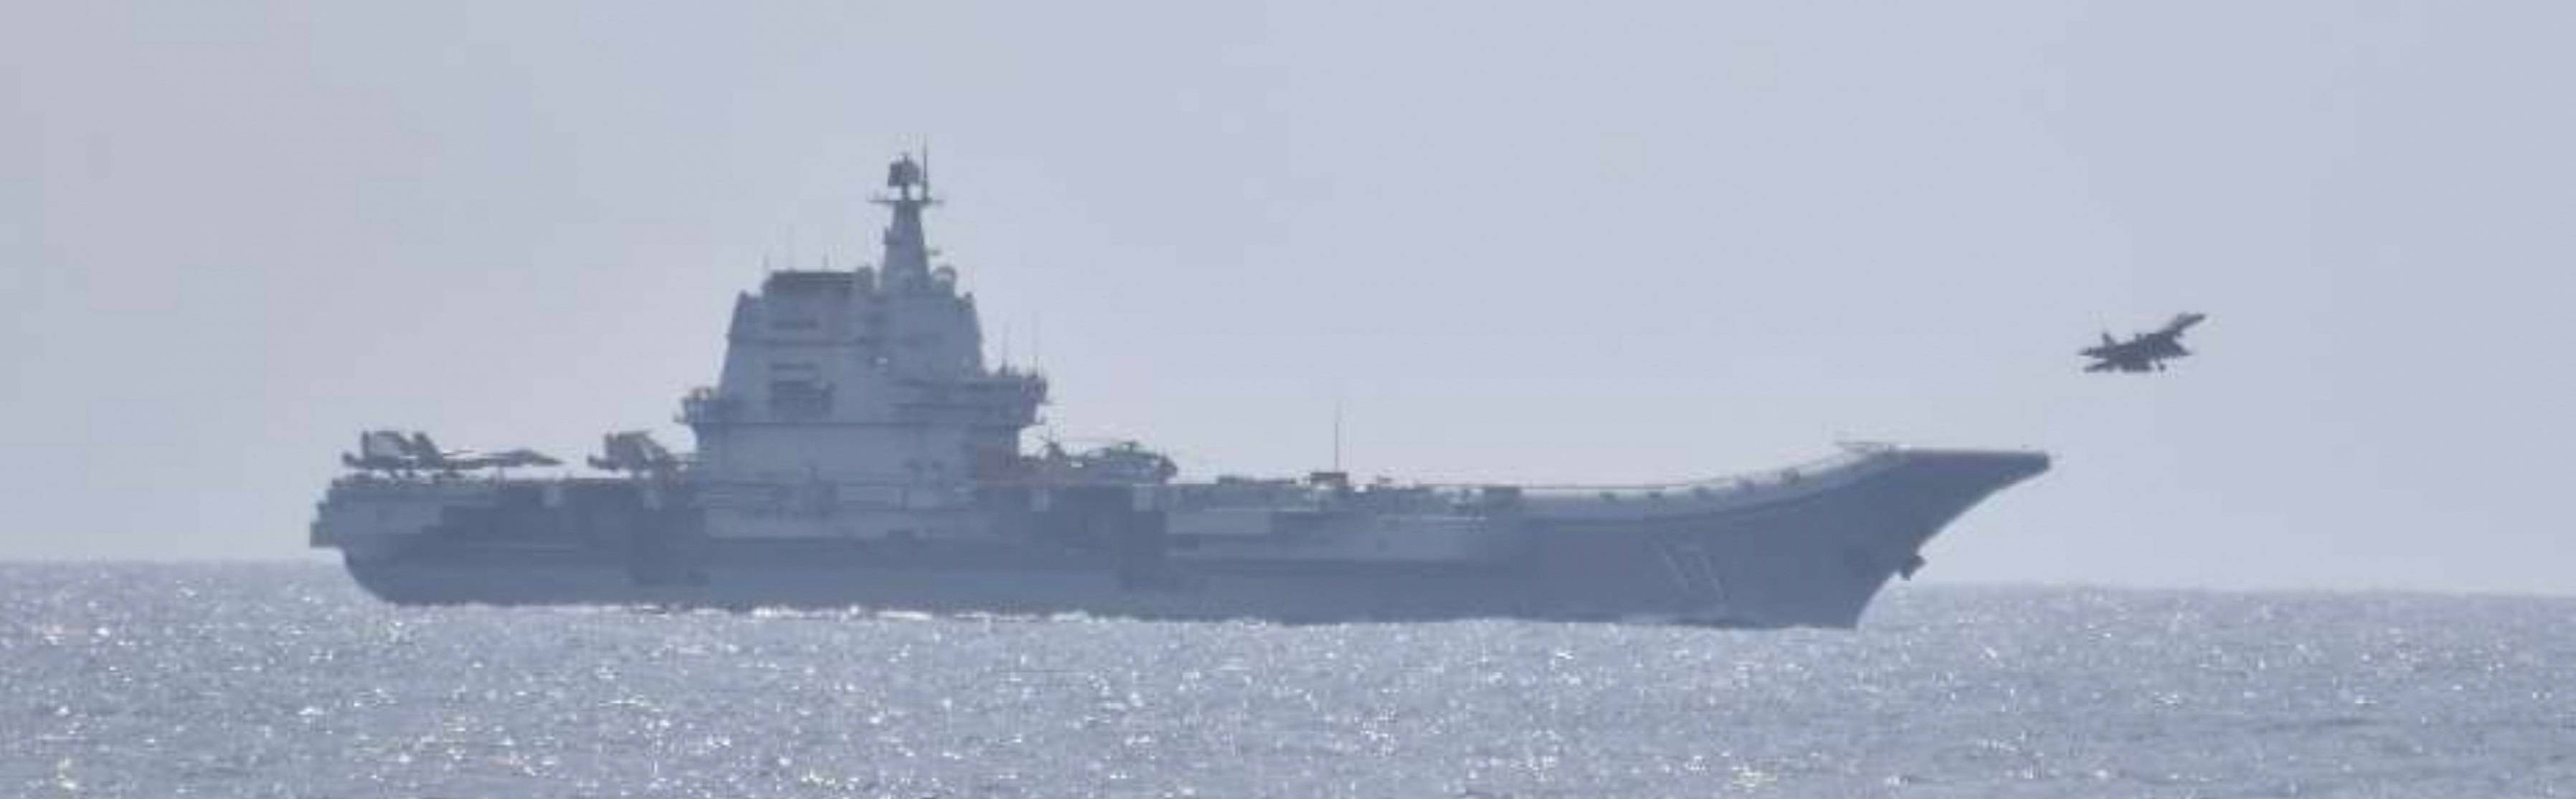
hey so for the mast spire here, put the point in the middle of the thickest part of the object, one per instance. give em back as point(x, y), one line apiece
point(906, 264)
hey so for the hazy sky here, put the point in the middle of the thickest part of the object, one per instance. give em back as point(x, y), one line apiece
point(1516, 241)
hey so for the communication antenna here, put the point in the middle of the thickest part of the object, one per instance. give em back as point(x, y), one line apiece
point(1337, 434)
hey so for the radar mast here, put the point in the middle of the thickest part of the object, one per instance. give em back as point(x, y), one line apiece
point(906, 265)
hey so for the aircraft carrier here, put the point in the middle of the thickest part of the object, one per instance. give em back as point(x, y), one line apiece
point(857, 451)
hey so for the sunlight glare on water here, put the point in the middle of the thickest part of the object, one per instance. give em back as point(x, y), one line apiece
point(276, 680)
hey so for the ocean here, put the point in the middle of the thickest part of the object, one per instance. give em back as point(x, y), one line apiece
point(284, 680)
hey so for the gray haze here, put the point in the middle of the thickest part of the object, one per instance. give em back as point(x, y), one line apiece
point(1514, 244)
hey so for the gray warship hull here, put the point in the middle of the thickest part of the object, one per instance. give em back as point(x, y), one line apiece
point(1811, 555)
point(857, 451)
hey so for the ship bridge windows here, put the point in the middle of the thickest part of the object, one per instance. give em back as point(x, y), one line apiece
point(796, 399)
point(797, 391)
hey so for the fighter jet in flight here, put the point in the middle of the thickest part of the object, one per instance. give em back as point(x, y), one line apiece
point(2143, 352)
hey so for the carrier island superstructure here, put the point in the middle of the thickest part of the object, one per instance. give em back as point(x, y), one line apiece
point(857, 451)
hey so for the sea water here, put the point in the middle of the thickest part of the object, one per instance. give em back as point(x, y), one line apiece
point(284, 680)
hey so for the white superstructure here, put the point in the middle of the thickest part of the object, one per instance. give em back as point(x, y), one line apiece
point(861, 395)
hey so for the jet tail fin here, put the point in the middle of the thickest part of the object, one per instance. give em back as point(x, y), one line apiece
point(633, 451)
point(382, 444)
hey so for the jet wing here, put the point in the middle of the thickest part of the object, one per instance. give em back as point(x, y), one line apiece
point(519, 457)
